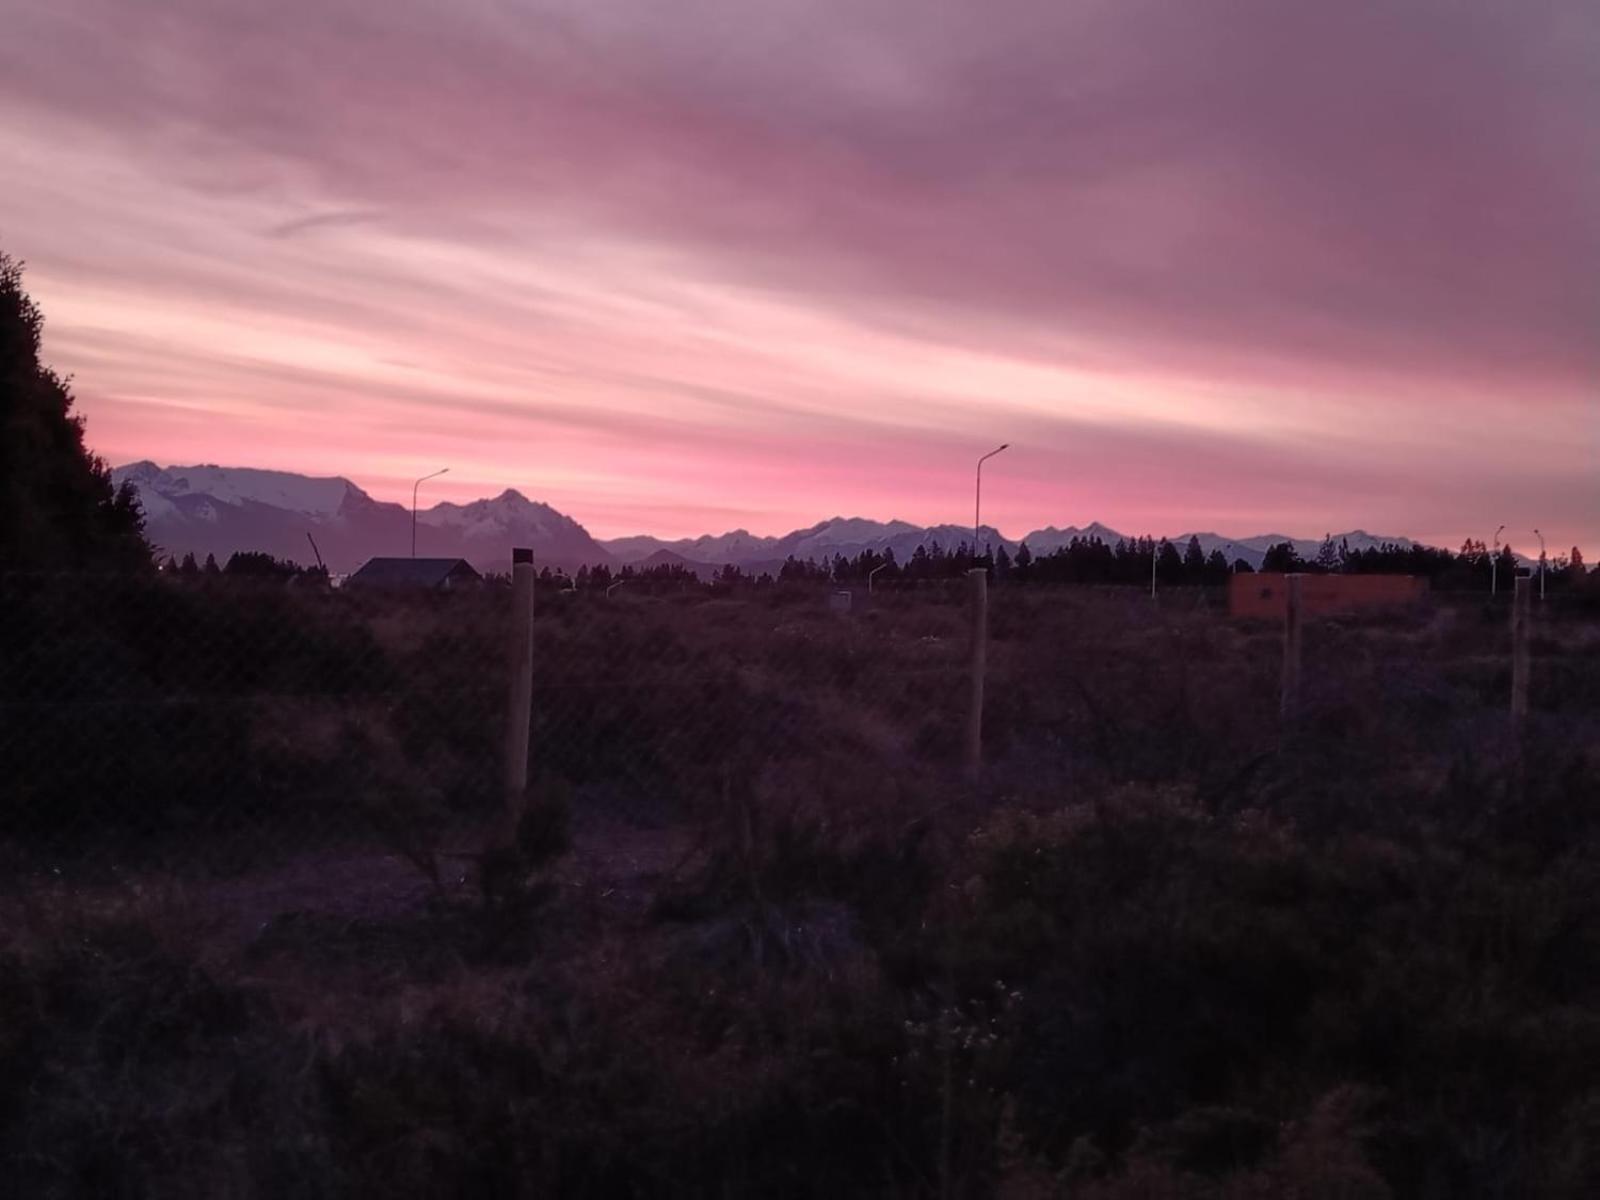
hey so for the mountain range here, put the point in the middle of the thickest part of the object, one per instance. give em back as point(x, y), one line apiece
point(218, 510)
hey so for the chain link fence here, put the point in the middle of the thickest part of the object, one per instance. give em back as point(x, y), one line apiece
point(207, 725)
point(211, 725)
point(257, 938)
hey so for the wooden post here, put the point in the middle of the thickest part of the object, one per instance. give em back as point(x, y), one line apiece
point(519, 712)
point(979, 579)
point(1292, 618)
point(1520, 606)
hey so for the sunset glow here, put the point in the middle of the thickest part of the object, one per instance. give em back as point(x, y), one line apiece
point(680, 268)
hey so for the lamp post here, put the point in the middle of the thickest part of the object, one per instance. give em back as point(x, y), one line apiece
point(616, 584)
point(873, 572)
point(977, 499)
point(414, 488)
point(1494, 564)
point(1540, 536)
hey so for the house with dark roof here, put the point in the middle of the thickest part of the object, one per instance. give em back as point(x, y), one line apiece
point(419, 574)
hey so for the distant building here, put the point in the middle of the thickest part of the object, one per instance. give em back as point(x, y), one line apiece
point(1266, 594)
point(418, 574)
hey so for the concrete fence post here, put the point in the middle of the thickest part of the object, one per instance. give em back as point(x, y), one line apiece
point(519, 712)
point(1520, 614)
point(1293, 619)
point(978, 579)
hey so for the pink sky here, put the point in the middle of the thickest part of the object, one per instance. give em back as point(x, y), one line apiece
point(1237, 265)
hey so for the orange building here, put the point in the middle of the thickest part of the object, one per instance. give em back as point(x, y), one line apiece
point(1266, 595)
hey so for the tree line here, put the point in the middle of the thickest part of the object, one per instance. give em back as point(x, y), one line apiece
point(1127, 561)
point(1093, 560)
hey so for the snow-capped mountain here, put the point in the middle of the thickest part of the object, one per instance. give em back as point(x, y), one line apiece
point(851, 535)
point(218, 510)
point(162, 489)
point(1049, 539)
point(848, 536)
point(736, 546)
point(508, 515)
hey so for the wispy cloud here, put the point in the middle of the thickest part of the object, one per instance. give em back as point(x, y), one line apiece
point(330, 220)
point(1277, 259)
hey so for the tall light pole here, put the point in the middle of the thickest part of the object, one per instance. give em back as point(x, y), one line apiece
point(1494, 563)
point(1540, 536)
point(414, 488)
point(873, 572)
point(977, 499)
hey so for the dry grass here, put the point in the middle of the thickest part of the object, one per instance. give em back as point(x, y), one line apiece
point(1169, 949)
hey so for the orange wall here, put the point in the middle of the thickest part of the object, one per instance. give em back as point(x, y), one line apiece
point(1267, 595)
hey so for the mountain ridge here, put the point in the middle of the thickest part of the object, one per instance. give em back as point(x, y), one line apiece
point(209, 509)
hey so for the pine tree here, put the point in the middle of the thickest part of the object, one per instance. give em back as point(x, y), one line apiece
point(1023, 567)
point(211, 567)
point(1169, 563)
point(1194, 561)
point(1283, 557)
point(1327, 560)
point(58, 507)
point(1216, 568)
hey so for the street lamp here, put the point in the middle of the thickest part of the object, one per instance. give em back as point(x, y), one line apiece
point(1494, 563)
point(977, 499)
point(614, 586)
point(414, 488)
point(1540, 536)
point(873, 572)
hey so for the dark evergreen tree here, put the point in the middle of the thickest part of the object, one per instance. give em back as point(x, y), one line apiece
point(1023, 567)
point(1194, 561)
point(254, 564)
point(1169, 563)
point(919, 567)
point(1216, 573)
point(1282, 556)
point(58, 508)
point(1327, 560)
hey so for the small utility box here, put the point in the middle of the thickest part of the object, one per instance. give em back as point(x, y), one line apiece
point(839, 602)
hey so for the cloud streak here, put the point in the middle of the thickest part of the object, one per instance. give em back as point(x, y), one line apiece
point(815, 250)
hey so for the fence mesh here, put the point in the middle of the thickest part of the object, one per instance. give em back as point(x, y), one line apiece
point(760, 934)
point(211, 724)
